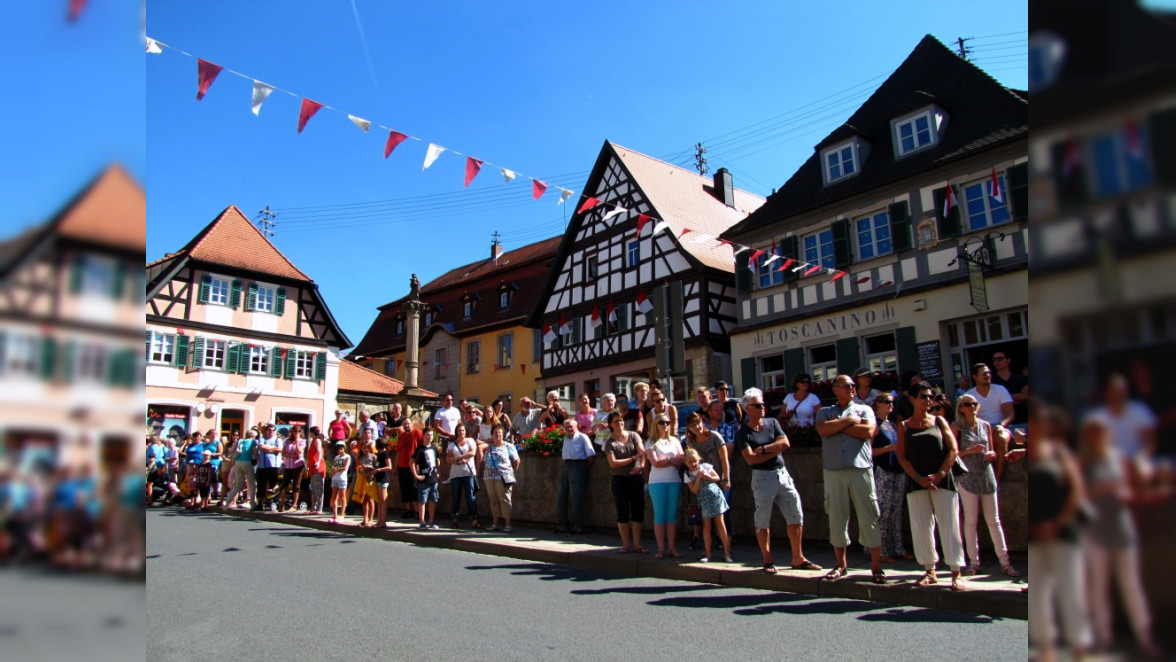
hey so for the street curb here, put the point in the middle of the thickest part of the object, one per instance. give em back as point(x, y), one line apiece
point(855, 586)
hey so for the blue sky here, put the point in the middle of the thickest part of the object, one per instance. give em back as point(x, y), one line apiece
point(533, 86)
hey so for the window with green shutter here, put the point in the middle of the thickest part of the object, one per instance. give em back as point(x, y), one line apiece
point(235, 294)
point(233, 358)
point(1018, 179)
point(251, 297)
point(900, 226)
point(1162, 131)
point(747, 372)
point(76, 273)
point(908, 349)
point(743, 275)
point(119, 281)
point(848, 356)
point(320, 366)
point(789, 248)
point(48, 358)
point(280, 302)
point(842, 251)
point(276, 362)
point(205, 288)
point(198, 353)
point(793, 364)
point(948, 226)
point(69, 360)
point(182, 351)
point(148, 354)
point(291, 360)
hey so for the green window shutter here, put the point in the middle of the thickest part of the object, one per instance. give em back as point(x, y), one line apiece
point(120, 280)
point(847, 356)
point(276, 362)
point(320, 366)
point(205, 286)
point(790, 248)
point(908, 351)
point(48, 358)
point(1162, 128)
point(180, 357)
point(576, 326)
point(235, 294)
point(747, 370)
point(198, 353)
point(251, 297)
point(1018, 183)
point(900, 226)
point(114, 368)
point(1070, 182)
point(842, 248)
point(949, 226)
point(243, 351)
point(291, 362)
point(622, 318)
point(69, 360)
point(280, 301)
point(793, 363)
point(744, 279)
point(147, 356)
point(232, 358)
point(75, 274)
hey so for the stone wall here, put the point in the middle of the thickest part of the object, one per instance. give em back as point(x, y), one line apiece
point(534, 499)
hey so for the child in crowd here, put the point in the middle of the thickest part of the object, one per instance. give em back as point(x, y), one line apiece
point(703, 481)
point(424, 472)
point(339, 466)
point(203, 475)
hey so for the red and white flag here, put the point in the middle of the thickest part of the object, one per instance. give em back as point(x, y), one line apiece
point(642, 219)
point(548, 333)
point(813, 269)
point(261, 92)
point(206, 72)
point(309, 108)
point(564, 327)
point(596, 321)
point(611, 312)
point(643, 303)
point(994, 188)
point(432, 154)
point(755, 255)
point(949, 201)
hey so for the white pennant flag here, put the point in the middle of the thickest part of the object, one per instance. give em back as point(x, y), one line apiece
point(740, 250)
point(701, 237)
point(564, 194)
point(153, 47)
point(658, 227)
point(261, 92)
point(363, 124)
point(614, 212)
point(434, 152)
point(508, 175)
point(771, 259)
point(799, 267)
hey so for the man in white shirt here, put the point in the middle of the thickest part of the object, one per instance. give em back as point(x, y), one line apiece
point(578, 456)
point(996, 407)
point(1132, 423)
point(525, 422)
point(445, 420)
point(366, 422)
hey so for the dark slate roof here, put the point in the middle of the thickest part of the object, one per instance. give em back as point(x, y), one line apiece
point(981, 114)
point(1115, 51)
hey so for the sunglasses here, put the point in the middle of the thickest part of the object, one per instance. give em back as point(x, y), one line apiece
point(663, 422)
point(969, 404)
point(659, 400)
point(757, 405)
point(885, 402)
point(925, 396)
point(723, 389)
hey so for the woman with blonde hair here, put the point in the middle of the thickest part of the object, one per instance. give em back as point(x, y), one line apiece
point(664, 455)
point(977, 488)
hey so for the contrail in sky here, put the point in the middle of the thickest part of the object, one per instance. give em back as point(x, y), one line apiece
point(366, 52)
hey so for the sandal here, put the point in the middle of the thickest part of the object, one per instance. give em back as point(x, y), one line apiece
point(957, 583)
point(879, 577)
point(887, 559)
point(475, 524)
point(928, 579)
point(623, 550)
point(971, 570)
point(640, 550)
point(836, 573)
point(770, 568)
point(1009, 571)
point(806, 565)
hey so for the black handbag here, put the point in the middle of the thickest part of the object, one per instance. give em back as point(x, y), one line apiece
point(959, 468)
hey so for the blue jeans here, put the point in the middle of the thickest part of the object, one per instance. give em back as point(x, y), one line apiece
point(573, 476)
point(665, 502)
point(463, 485)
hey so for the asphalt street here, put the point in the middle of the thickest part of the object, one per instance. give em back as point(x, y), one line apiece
point(227, 588)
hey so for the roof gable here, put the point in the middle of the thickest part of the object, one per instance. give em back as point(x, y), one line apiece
point(983, 114)
point(111, 211)
point(231, 240)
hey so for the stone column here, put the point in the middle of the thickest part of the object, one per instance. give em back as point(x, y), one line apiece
point(414, 307)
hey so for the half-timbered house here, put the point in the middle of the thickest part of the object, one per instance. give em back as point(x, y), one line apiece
point(237, 335)
point(604, 271)
point(69, 326)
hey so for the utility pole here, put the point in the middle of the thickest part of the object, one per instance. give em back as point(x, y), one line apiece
point(265, 221)
point(963, 50)
point(699, 159)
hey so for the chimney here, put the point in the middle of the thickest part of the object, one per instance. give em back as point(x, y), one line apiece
point(495, 251)
point(724, 189)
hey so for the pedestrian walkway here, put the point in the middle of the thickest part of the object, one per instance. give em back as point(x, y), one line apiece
point(989, 592)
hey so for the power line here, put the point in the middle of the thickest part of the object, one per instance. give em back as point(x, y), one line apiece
point(1003, 34)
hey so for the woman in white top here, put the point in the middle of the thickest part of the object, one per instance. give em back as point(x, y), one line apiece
point(664, 455)
point(461, 454)
point(800, 406)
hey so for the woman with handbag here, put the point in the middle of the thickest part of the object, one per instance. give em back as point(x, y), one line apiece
point(977, 487)
point(890, 483)
point(461, 454)
point(500, 461)
point(927, 451)
point(624, 451)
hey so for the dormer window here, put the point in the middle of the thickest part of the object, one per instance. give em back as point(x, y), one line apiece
point(840, 161)
point(504, 299)
point(467, 309)
point(917, 130)
point(468, 301)
point(429, 318)
point(400, 326)
point(505, 294)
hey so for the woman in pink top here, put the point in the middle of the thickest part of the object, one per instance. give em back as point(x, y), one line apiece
point(586, 415)
point(316, 468)
point(292, 466)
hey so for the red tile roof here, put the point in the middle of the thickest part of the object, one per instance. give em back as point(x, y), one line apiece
point(231, 240)
point(111, 211)
point(508, 260)
point(354, 377)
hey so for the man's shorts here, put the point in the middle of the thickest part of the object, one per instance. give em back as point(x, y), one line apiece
point(427, 492)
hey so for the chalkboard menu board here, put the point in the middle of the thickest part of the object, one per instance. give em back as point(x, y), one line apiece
point(929, 361)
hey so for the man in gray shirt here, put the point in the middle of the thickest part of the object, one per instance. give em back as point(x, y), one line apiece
point(525, 422)
point(847, 430)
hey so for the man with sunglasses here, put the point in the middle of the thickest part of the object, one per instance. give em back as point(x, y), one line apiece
point(847, 432)
point(1015, 383)
point(996, 407)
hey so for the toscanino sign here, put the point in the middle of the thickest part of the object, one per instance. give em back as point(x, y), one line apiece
point(833, 324)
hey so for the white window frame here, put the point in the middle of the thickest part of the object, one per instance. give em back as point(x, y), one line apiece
point(259, 358)
point(771, 379)
point(214, 354)
point(911, 120)
point(219, 291)
point(506, 341)
point(986, 195)
point(429, 318)
point(591, 268)
point(90, 364)
point(883, 361)
point(400, 326)
point(97, 276)
point(825, 260)
point(872, 244)
point(838, 151)
point(467, 309)
point(474, 352)
point(163, 345)
point(766, 274)
point(22, 354)
point(633, 253)
point(504, 299)
point(440, 365)
point(304, 364)
point(824, 370)
point(266, 296)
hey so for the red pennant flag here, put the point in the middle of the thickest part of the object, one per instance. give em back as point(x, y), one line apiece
point(861, 280)
point(399, 362)
point(473, 166)
point(495, 367)
point(206, 72)
point(685, 232)
point(1134, 145)
point(949, 201)
point(564, 327)
point(838, 275)
point(611, 312)
point(642, 219)
point(394, 139)
point(889, 282)
point(548, 333)
point(787, 263)
point(284, 351)
point(309, 108)
point(994, 188)
point(179, 331)
point(538, 188)
point(643, 303)
point(75, 9)
point(588, 204)
point(595, 317)
point(724, 242)
point(812, 270)
point(523, 366)
point(755, 255)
